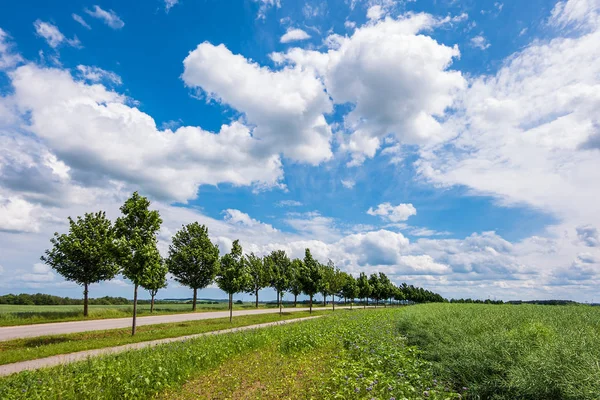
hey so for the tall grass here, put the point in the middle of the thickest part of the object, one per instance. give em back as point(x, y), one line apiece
point(511, 352)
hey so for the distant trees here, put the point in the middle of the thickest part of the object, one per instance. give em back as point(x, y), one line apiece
point(155, 278)
point(311, 276)
point(85, 255)
point(193, 259)
point(136, 232)
point(233, 276)
point(259, 275)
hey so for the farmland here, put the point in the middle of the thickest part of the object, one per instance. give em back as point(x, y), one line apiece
point(429, 351)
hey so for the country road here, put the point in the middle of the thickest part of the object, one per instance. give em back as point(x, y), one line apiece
point(59, 328)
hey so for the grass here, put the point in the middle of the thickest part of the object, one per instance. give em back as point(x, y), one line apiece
point(348, 354)
point(32, 348)
point(509, 352)
point(12, 315)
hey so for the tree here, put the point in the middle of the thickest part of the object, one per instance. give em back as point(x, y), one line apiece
point(386, 287)
point(350, 288)
point(136, 231)
point(86, 254)
point(259, 274)
point(327, 272)
point(233, 276)
point(193, 258)
point(311, 276)
point(364, 288)
point(336, 281)
point(295, 284)
point(280, 271)
point(375, 288)
point(155, 277)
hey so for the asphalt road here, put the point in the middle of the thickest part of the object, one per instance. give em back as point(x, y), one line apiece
point(59, 328)
point(8, 369)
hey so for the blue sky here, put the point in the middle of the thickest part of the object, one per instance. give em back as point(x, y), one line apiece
point(447, 143)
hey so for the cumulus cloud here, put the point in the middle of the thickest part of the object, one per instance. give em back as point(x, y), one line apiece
point(398, 213)
point(294, 35)
point(95, 74)
point(53, 35)
point(480, 42)
point(286, 107)
point(109, 17)
point(8, 58)
point(588, 235)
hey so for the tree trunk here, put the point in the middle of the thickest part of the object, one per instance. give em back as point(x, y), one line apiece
point(135, 289)
point(311, 296)
point(152, 304)
point(366, 302)
point(375, 303)
point(85, 300)
point(280, 303)
point(230, 307)
point(194, 301)
point(351, 301)
point(324, 300)
point(333, 301)
point(295, 300)
point(384, 304)
point(256, 294)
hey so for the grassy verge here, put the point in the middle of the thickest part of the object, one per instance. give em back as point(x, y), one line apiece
point(46, 346)
point(510, 352)
point(11, 315)
point(360, 353)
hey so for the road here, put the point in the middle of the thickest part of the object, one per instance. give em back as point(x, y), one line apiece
point(8, 369)
point(60, 328)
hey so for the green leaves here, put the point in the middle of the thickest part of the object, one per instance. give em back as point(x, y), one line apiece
point(233, 276)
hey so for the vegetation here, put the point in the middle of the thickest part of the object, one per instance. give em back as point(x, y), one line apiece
point(310, 276)
point(259, 275)
point(233, 276)
point(193, 258)
point(154, 279)
point(87, 254)
point(510, 351)
point(362, 350)
point(32, 348)
point(40, 299)
point(279, 266)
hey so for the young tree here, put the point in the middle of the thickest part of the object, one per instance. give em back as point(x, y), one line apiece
point(280, 267)
point(311, 276)
point(86, 254)
point(233, 276)
point(364, 288)
point(386, 287)
point(193, 258)
point(259, 274)
point(328, 272)
point(136, 231)
point(336, 282)
point(295, 284)
point(155, 278)
point(375, 288)
point(350, 289)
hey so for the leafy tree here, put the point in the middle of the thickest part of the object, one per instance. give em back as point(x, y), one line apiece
point(86, 254)
point(259, 274)
point(398, 294)
point(193, 258)
point(350, 288)
point(136, 231)
point(336, 281)
point(280, 267)
point(376, 288)
point(364, 288)
point(328, 272)
point(233, 276)
point(311, 276)
point(386, 287)
point(155, 277)
point(295, 283)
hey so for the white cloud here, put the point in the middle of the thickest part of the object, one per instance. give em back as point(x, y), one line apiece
point(578, 14)
point(8, 59)
point(286, 107)
point(480, 42)
point(348, 183)
point(288, 203)
point(588, 235)
point(95, 74)
point(18, 215)
point(53, 35)
point(294, 35)
point(170, 4)
point(398, 213)
point(80, 20)
point(265, 5)
point(109, 17)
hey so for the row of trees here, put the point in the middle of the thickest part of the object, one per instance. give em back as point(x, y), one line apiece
point(41, 299)
point(96, 250)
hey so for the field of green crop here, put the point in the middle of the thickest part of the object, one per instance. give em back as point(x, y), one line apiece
point(30, 314)
point(510, 351)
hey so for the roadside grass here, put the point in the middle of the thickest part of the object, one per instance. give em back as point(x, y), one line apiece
point(344, 355)
point(12, 315)
point(45, 346)
point(510, 351)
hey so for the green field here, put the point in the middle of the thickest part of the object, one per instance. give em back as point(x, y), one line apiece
point(30, 314)
point(433, 351)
